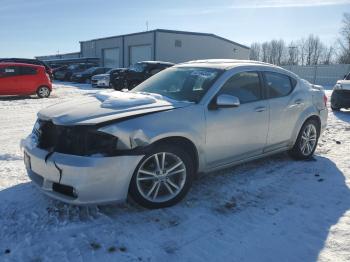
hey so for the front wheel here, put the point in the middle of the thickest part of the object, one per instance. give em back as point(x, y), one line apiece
point(43, 92)
point(162, 178)
point(335, 108)
point(306, 143)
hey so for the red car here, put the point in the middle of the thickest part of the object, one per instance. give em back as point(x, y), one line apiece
point(24, 79)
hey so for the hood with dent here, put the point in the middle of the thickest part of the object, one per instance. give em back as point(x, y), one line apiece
point(107, 106)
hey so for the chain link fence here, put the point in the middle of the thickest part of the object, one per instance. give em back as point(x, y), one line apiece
point(325, 75)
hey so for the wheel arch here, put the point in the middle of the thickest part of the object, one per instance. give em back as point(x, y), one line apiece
point(184, 142)
point(301, 122)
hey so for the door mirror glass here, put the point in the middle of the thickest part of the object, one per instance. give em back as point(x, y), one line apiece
point(223, 101)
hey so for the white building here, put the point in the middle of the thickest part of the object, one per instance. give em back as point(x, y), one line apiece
point(162, 45)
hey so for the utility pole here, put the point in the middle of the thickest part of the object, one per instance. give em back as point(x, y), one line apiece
point(146, 25)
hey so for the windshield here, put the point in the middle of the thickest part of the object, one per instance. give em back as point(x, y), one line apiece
point(138, 67)
point(181, 83)
point(72, 67)
point(90, 70)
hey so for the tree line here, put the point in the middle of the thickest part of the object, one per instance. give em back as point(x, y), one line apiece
point(305, 51)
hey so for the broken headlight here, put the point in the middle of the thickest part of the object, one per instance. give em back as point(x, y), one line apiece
point(76, 140)
point(99, 143)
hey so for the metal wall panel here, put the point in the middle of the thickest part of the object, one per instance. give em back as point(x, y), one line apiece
point(326, 75)
point(111, 57)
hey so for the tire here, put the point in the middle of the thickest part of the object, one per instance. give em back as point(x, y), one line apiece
point(153, 189)
point(43, 92)
point(310, 131)
point(335, 108)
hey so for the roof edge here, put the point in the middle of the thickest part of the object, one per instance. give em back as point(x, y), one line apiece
point(171, 32)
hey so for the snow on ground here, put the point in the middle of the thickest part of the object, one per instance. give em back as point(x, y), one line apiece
point(274, 209)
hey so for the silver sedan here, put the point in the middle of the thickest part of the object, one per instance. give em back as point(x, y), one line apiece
point(149, 143)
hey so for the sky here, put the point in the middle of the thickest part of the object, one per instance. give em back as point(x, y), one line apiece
point(31, 28)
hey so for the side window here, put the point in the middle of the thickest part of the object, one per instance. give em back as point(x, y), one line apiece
point(245, 86)
point(155, 70)
point(25, 70)
point(278, 84)
point(10, 71)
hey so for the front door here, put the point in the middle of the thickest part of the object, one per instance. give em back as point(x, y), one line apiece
point(237, 133)
point(8, 75)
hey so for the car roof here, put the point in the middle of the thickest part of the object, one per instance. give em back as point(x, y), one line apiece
point(224, 63)
point(227, 64)
point(21, 64)
point(156, 62)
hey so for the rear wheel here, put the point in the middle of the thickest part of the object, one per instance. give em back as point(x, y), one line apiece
point(306, 143)
point(43, 92)
point(162, 178)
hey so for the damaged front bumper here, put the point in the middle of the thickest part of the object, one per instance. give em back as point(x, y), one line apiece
point(80, 180)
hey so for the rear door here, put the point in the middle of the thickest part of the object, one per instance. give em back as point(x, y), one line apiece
point(27, 80)
point(286, 104)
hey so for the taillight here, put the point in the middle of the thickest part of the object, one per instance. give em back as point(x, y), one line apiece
point(325, 99)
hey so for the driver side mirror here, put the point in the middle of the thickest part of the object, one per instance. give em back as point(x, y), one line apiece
point(227, 101)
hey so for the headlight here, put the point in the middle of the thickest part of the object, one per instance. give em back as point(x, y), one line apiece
point(78, 75)
point(338, 86)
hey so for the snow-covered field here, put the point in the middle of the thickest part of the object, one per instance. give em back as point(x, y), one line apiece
point(273, 209)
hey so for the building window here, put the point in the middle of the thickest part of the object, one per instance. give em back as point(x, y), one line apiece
point(178, 43)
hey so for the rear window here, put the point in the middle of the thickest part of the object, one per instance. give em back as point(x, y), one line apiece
point(278, 85)
point(26, 70)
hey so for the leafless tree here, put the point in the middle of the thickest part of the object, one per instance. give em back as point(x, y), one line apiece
point(344, 41)
point(328, 55)
point(255, 50)
point(293, 54)
point(314, 49)
point(265, 51)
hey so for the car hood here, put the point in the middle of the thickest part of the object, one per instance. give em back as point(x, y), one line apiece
point(99, 76)
point(345, 84)
point(108, 106)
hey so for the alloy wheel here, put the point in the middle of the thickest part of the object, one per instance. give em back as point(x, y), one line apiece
point(43, 91)
point(308, 140)
point(161, 177)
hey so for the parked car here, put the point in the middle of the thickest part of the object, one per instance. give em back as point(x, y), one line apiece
point(24, 79)
point(191, 118)
point(103, 80)
point(85, 76)
point(29, 61)
point(341, 94)
point(137, 73)
point(66, 73)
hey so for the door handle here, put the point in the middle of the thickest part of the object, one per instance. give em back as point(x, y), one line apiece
point(260, 109)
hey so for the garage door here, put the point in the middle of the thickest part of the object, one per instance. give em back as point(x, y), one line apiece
point(140, 53)
point(111, 57)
